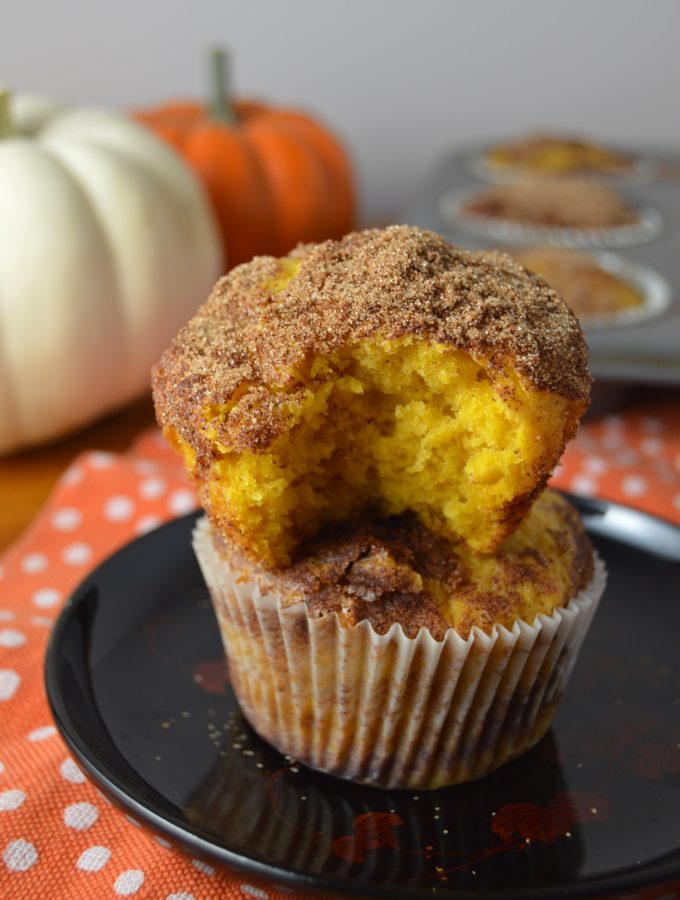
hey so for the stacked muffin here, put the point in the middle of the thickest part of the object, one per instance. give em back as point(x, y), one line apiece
point(370, 424)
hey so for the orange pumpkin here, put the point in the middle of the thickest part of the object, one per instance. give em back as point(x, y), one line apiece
point(275, 176)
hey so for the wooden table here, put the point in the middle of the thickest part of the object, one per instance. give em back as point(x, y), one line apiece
point(26, 479)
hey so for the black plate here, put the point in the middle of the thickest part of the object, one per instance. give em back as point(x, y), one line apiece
point(138, 688)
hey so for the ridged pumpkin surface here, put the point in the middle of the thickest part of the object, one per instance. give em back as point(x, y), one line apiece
point(275, 176)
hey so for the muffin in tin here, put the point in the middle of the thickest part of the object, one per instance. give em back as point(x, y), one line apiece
point(591, 291)
point(575, 203)
point(544, 153)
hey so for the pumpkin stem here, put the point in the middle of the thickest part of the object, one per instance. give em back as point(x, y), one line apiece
point(5, 114)
point(220, 101)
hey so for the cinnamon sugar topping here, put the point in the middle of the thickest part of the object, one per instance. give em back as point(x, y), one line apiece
point(243, 342)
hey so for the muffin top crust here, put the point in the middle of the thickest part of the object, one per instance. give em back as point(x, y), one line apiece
point(558, 154)
point(590, 290)
point(553, 202)
point(395, 570)
point(245, 346)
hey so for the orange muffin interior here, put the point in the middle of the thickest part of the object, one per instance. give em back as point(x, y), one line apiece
point(375, 424)
point(388, 426)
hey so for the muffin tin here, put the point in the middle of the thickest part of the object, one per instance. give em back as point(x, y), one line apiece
point(637, 347)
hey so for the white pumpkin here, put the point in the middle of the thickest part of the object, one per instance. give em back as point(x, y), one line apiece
point(107, 245)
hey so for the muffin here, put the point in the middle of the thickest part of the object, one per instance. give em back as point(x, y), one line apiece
point(551, 154)
point(552, 203)
point(382, 373)
point(389, 655)
point(370, 424)
point(590, 290)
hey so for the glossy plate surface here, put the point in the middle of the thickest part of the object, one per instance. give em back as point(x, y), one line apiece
point(139, 689)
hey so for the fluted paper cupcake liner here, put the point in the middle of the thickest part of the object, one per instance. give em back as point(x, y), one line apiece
point(387, 709)
point(450, 208)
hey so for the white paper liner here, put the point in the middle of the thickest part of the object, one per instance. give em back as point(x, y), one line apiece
point(450, 209)
point(390, 710)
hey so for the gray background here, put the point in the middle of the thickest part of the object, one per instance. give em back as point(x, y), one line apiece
point(401, 82)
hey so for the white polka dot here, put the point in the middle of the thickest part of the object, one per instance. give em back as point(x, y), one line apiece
point(182, 502)
point(2, 767)
point(6, 615)
point(183, 895)
point(42, 621)
point(2, 572)
point(152, 488)
point(133, 822)
point(72, 476)
point(147, 524)
point(101, 460)
point(595, 465)
point(664, 471)
point(163, 843)
point(651, 446)
point(627, 457)
point(119, 508)
point(42, 734)
point(613, 422)
point(582, 484)
point(129, 882)
point(633, 485)
point(145, 467)
point(612, 440)
point(77, 554)
point(81, 816)
point(10, 637)
point(202, 867)
point(652, 425)
point(251, 891)
point(20, 855)
point(33, 563)
point(9, 683)
point(93, 859)
point(67, 518)
point(46, 597)
point(70, 771)
point(11, 800)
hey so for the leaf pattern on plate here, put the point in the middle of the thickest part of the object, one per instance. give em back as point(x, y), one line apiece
point(545, 823)
point(371, 830)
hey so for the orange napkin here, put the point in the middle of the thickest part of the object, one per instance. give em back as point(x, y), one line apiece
point(632, 458)
point(59, 838)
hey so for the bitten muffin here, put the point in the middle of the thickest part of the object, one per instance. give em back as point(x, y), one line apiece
point(390, 655)
point(551, 154)
point(591, 291)
point(385, 372)
point(557, 203)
